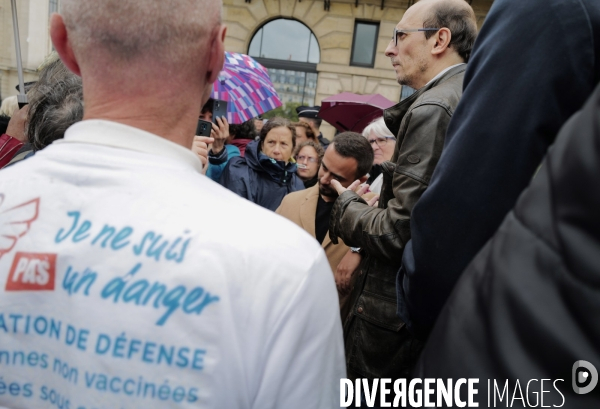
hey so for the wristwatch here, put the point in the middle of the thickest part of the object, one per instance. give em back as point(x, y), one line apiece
point(356, 250)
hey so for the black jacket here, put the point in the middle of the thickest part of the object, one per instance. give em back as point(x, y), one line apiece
point(528, 306)
point(260, 179)
point(524, 80)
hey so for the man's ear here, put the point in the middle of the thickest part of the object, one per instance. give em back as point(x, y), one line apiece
point(363, 179)
point(217, 54)
point(60, 39)
point(442, 41)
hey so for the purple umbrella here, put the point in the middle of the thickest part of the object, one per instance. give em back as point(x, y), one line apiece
point(247, 88)
point(353, 112)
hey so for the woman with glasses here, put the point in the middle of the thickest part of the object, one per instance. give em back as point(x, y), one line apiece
point(308, 160)
point(383, 143)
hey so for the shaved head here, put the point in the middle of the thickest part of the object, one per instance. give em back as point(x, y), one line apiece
point(136, 57)
point(456, 3)
point(139, 29)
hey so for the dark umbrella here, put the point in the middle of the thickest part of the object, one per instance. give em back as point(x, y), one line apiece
point(22, 97)
point(353, 112)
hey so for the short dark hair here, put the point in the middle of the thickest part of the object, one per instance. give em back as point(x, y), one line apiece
point(245, 130)
point(354, 145)
point(277, 122)
point(460, 20)
point(208, 107)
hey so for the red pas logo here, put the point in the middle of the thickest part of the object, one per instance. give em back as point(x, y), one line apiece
point(15, 222)
point(32, 272)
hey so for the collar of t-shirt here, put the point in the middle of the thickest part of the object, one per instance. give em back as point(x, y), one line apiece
point(443, 72)
point(116, 135)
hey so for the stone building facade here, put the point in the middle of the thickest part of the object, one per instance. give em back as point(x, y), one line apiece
point(332, 22)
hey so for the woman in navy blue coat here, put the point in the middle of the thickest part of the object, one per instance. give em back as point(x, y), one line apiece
point(265, 174)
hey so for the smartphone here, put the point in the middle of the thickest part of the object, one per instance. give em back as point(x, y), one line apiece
point(219, 109)
point(203, 128)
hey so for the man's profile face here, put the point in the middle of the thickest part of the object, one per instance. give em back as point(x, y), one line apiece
point(411, 57)
point(335, 166)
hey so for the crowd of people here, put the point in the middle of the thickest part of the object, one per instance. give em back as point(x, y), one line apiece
point(259, 266)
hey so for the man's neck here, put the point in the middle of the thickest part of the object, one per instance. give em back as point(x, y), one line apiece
point(167, 111)
point(441, 73)
point(439, 66)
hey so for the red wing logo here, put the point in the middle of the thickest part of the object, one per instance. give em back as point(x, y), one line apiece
point(15, 223)
point(32, 272)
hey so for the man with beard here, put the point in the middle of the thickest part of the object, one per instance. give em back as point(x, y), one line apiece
point(429, 51)
point(348, 158)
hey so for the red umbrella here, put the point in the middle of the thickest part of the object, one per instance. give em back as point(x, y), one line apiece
point(353, 112)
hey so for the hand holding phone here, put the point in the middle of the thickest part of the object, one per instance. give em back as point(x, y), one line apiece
point(219, 110)
point(200, 148)
point(203, 128)
point(220, 133)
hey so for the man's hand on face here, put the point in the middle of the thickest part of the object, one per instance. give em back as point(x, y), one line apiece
point(16, 125)
point(220, 133)
point(200, 148)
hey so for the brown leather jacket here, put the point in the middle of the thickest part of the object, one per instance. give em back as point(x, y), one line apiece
point(377, 343)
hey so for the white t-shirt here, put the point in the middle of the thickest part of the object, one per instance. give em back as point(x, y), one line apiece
point(377, 184)
point(129, 280)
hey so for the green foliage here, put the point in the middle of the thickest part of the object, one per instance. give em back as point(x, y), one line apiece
point(286, 111)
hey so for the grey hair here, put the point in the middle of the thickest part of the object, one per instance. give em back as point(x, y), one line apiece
point(378, 127)
point(460, 19)
point(129, 29)
point(55, 103)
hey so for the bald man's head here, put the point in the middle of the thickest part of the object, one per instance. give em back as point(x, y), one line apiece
point(457, 15)
point(139, 29)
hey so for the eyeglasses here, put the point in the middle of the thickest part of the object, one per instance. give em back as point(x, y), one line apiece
point(409, 30)
point(302, 158)
point(380, 141)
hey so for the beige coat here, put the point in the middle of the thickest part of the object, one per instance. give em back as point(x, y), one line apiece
point(301, 208)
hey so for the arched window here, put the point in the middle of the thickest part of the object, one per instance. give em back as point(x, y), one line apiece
point(290, 51)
